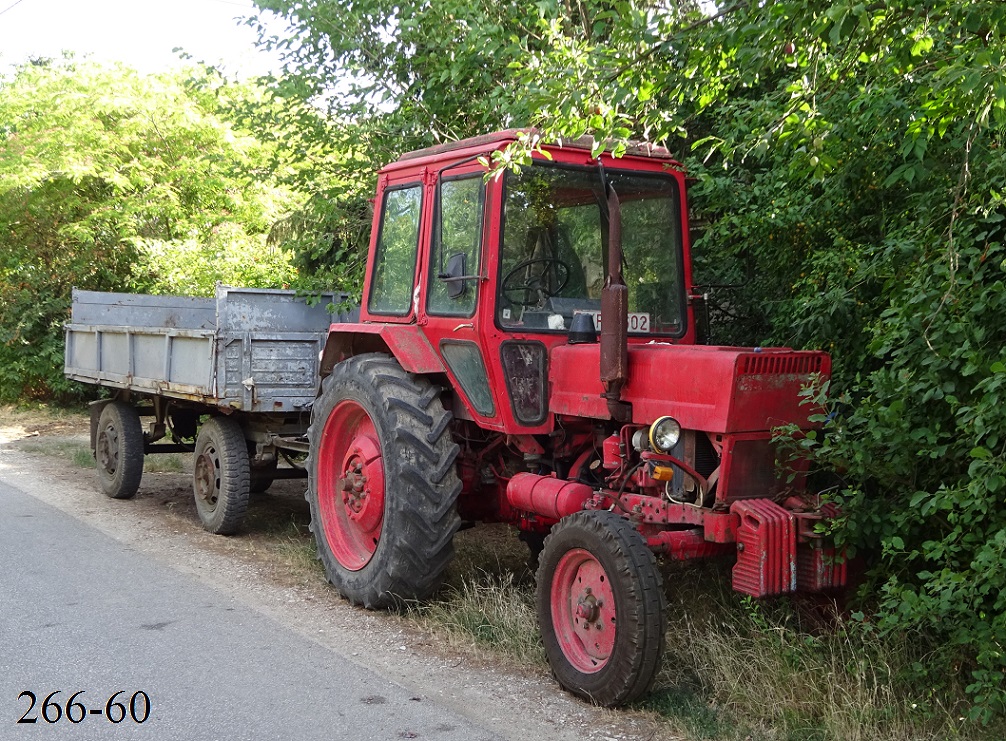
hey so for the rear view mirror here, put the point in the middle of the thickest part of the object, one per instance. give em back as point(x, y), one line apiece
point(455, 275)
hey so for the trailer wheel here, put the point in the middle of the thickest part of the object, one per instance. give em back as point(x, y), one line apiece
point(118, 450)
point(262, 476)
point(220, 479)
point(601, 608)
point(381, 482)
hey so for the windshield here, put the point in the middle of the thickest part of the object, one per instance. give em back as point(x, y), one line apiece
point(555, 246)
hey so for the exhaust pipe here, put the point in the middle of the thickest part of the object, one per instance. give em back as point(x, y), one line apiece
point(614, 318)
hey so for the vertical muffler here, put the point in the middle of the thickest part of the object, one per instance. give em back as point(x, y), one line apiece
point(614, 318)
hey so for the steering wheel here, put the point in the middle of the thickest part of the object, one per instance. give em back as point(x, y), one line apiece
point(536, 285)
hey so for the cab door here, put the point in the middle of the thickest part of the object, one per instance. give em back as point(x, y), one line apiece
point(455, 279)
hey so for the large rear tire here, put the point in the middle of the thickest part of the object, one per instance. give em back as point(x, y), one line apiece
point(381, 482)
point(221, 477)
point(601, 608)
point(118, 450)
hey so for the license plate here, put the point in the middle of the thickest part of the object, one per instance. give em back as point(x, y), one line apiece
point(637, 321)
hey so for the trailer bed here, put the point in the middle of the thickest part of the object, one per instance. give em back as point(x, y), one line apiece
point(253, 350)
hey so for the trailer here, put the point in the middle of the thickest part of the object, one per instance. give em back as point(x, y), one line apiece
point(231, 379)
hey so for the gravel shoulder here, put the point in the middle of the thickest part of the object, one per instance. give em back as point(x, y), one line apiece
point(518, 703)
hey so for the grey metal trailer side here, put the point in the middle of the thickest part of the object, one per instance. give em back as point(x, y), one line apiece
point(231, 379)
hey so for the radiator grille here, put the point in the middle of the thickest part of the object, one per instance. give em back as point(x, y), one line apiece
point(765, 364)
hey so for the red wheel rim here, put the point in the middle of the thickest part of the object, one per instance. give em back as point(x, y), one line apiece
point(583, 611)
point(351, 485)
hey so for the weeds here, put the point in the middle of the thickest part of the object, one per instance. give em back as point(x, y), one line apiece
point(296, 549)
point(796, 670)
point(494, 611)
point(488, 598)
point(75, 451)
point(736, 669)
point(165, 463)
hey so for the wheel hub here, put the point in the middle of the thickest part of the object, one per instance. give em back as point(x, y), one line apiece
point(362, 484)
point(583, 611)
point(108, 449)
point(588, 607)
point(205, 477)
point(351, 495)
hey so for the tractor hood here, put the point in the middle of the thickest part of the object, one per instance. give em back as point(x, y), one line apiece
point(715, 389)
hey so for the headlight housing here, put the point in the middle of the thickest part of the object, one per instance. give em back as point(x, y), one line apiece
point(664, 434)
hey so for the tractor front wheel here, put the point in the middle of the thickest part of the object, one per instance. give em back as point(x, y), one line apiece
point(601, 608)
point(381, 482)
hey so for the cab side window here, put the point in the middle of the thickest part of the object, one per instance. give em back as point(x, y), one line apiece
point(395, 259)
point(457, 242)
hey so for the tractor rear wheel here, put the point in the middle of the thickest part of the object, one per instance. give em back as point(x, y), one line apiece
point(220, 478)
point(381, 482)
point(601, 608)
point(118, 450)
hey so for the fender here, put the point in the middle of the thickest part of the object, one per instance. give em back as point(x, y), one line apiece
point(406, 342)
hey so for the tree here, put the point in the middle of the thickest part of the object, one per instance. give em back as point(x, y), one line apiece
point(397, 77)
point(111, 180)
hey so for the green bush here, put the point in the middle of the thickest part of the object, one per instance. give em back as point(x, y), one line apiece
point(112, 180)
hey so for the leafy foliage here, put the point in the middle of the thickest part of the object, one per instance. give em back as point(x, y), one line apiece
point(110, 180)
point(396, 77)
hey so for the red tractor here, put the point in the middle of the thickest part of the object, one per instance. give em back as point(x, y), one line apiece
point(526, 353)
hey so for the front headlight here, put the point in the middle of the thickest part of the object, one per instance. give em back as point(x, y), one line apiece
point(664, 434)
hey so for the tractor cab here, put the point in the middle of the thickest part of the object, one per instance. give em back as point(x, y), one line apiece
point(491, 275)
point(554, 248)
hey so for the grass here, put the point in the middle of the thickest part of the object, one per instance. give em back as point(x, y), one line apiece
point(495, 612)
point(70, 450)
point(164, 463)
point(29, 413)
point(774, 670)
point(735, 669)
point(294, 548)
point(79, 453)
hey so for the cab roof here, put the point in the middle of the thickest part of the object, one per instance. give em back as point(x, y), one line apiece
point(485, 143)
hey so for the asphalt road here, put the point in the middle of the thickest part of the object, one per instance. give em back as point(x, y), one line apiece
point(81, 612)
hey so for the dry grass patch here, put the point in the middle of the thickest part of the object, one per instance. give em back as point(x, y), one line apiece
point(33, 420)
point(796, 670)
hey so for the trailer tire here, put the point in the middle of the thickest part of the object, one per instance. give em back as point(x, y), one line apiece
point(375, 423)
point(601, 608)
point(118, 450)
point(262, 477)
point(221, 476)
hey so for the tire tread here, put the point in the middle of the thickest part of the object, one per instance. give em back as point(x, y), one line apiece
point(419, 452)
point(235, 475)
point(635, 662)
